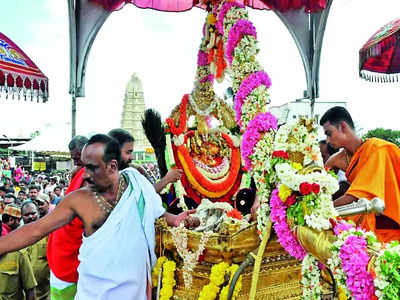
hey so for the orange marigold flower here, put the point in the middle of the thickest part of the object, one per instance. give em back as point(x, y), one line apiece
point(235, 214)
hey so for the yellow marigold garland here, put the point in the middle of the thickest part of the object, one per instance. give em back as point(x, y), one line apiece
point(168, 277)
point(168, 280)
point(217, 278)
point(224, 292)
point(156, 270)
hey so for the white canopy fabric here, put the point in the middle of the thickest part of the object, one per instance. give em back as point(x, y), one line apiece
point(50, 140)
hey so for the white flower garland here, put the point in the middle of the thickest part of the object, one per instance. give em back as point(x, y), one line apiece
point(255, 103)
point(262, 155)
point(179, 189)
point(190, 259)
point(310, 279)
point(296, 138)
point(324, 209)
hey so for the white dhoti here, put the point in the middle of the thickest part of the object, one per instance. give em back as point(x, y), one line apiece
point(116, 260)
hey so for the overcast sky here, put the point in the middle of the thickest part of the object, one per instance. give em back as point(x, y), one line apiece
point(162, 49)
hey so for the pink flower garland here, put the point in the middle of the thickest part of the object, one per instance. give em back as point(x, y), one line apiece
point(202, 58)
point(261, 123)
point(223, 11)
point(209, 78)
point(285, 236)
point(253, 81)
point(354, 259)
point(237, 31)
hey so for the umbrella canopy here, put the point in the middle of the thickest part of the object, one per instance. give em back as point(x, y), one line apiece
point(380, 56)
point(19, 74)
point(182, 5)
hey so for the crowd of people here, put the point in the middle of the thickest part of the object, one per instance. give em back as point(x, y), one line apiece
point(98, 242)
point(26, 197)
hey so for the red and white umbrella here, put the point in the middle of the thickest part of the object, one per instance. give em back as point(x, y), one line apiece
point(19, 76)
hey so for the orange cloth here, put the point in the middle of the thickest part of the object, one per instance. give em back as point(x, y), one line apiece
point(374, 171)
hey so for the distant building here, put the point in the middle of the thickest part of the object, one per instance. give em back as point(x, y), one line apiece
point(290, 112)
point(132, 114)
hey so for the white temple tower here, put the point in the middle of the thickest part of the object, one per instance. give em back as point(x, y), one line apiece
point(132, 114)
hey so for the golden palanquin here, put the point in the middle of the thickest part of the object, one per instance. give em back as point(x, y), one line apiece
point(279, 277)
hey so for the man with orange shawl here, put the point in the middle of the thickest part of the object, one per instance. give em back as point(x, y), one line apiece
point(373, 169)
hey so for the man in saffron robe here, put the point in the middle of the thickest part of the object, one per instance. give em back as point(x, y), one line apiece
point(118, 211)
point(372, 168)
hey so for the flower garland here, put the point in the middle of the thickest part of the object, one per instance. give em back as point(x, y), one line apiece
point(224, 292)
point(255, 104)
point(310, 278)
point(387, 271)
point(182, 118)
point(190, 259)
point(168, 280)
point(170, 163)
point(203, 184)
point(239, 29)
point(221, 168)
point(300, 137)
point(285, 236)
point(217, 278)
point(226, 6)
point(350, 259)
point(253, 81)
point(261, 124)
point(202, 58)
point(157, 269)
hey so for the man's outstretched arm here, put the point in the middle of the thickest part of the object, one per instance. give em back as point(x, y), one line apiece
point(33, 232)
point(172, 176)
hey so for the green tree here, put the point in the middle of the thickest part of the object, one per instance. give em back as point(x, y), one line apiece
point(389, 135)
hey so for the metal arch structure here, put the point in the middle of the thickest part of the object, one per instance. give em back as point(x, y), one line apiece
point(308, 32)
point(86, 19)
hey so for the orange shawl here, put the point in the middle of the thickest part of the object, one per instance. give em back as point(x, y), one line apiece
point(374, 171)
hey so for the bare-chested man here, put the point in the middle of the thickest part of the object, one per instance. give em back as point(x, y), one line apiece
point(118, 211)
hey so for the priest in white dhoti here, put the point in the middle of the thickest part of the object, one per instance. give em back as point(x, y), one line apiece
point(118, 211)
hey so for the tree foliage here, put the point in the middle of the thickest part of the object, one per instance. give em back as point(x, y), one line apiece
point(389, 135)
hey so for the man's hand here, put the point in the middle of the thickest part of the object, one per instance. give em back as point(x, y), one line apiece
point(173, 175)
point(254, 209)
point(189, 221)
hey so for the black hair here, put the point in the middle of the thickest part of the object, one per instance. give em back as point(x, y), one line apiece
point(335, 115)
point(5, 218)
point(32, 187)
point(77, 143)
point(112, 148)
point(122, 136)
